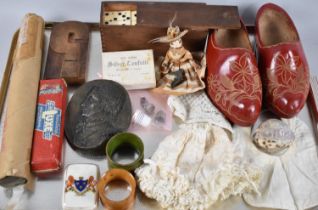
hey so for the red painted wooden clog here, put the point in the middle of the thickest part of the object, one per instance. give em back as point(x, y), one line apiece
point(233, 81)
point(282, 61)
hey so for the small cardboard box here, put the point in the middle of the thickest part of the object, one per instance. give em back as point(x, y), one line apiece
point(48, 134)
point(132, 69)
point(153, 18)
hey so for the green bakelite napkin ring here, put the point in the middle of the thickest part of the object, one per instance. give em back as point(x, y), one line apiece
point(125, 138)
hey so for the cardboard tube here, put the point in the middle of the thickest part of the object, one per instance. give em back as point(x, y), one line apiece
point(21, 104)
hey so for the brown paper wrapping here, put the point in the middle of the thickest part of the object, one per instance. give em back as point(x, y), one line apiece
point(21, 105)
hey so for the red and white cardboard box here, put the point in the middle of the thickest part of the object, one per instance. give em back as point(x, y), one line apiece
point(49, 127)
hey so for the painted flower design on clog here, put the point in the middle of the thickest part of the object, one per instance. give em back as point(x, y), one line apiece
point(242, 83)
point(288, 80)
point(245, 75)
point(287, 75)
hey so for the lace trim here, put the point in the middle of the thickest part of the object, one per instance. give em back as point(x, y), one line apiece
point(175, 191)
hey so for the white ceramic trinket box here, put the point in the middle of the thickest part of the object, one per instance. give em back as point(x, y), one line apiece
point(80, 187)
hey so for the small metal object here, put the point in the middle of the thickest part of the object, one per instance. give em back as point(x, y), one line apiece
point(160, 117)
point(141, 118)
point(148, 107)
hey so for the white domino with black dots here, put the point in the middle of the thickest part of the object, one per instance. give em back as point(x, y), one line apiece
point(120, 17)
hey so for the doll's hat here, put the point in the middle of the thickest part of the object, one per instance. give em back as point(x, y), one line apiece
point(173, 34)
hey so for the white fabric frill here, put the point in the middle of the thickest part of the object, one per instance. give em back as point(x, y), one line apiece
point(198, 164)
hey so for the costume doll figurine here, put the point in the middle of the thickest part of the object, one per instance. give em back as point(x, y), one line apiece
point(180, 74)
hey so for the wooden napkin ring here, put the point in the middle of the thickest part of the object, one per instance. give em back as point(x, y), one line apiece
point(117, 174)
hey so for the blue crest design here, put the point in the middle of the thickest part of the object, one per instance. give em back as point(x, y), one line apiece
point(80, 184)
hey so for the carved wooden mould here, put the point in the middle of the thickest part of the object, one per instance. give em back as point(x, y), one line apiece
point(67, 54)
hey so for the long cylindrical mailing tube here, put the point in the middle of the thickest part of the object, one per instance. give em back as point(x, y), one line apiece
point(21, 104)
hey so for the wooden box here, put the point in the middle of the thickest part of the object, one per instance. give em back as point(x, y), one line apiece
point(153, 18)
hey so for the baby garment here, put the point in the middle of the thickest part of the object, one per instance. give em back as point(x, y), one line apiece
point(196, 165)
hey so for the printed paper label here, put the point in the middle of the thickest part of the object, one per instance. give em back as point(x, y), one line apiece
point(132, 69)
point(48, 120)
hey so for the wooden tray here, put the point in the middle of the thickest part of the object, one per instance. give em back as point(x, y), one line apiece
point(48, 191)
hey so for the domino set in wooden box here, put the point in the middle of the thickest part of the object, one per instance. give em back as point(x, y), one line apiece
point(131, 25)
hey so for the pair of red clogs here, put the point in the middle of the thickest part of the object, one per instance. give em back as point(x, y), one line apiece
point(234, 80)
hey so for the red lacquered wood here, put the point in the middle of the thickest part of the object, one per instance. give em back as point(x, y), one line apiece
point(284, 69)
point(233, 82)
